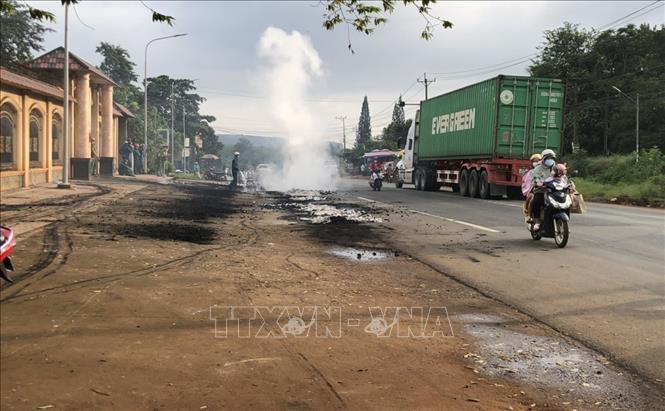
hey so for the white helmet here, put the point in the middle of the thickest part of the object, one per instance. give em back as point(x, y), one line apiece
point(237, 154)
point(548, 153)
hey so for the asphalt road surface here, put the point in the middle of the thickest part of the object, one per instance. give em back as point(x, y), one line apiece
point(606, 288)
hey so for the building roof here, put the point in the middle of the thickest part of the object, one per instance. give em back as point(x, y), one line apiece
point(121, 111)
point(55, 60)
point(23, 82)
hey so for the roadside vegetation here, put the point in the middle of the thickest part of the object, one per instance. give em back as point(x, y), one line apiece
point(619, 178)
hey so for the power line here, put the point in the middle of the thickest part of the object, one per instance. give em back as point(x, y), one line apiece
point(605, 26)
point(79, 18)
point(524, 59)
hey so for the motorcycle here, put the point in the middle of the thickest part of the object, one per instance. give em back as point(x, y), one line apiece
point(555, 213)
point(376, 180)
point(7, 243)
point(212, 175)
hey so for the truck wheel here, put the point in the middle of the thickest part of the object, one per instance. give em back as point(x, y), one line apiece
point(430, 181)
point(473, 183)
point(464, 182)
point(417, 180)
point(484, 185)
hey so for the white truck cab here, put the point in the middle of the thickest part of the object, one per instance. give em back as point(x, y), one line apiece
point(405, 167)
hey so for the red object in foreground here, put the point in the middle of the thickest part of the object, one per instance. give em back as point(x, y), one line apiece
point(7, 243)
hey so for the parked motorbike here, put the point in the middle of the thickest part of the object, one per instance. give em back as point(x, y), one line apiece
point(7, 243)
point(376, 180)
point(555, 213)
point(213, 175)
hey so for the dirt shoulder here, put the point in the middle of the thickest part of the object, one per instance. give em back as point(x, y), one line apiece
point(123, 304)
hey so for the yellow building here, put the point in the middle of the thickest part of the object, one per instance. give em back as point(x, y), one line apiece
point(31, 122)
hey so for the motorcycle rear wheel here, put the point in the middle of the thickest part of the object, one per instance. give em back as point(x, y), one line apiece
point(561, 233)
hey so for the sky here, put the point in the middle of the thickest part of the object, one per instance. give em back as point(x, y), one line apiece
point(221, 51)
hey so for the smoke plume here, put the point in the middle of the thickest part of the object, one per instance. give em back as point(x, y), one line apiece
point(291, 64)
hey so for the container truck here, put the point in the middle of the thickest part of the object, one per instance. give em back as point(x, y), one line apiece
point(478, 139)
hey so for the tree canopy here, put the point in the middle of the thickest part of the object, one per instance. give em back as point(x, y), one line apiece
point(597, 117)
point(364, 133)
point(21, 35)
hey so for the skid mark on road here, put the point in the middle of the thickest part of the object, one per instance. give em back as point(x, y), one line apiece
point(452, 220)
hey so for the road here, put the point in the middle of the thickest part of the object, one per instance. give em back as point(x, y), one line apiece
point(605, 289)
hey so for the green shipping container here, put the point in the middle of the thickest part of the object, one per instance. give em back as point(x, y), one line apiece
point(504, 117)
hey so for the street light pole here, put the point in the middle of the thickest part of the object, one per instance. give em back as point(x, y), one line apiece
point(65, 109)
point(145, 97)
point(172, 142)
point(637, 120)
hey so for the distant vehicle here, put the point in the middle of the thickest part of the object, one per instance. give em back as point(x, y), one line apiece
point(376, 180)
point(478, 139)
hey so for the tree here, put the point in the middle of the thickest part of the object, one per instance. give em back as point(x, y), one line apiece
point(564, 55)
point(21, 35)
point(365, 17)
point(590, 64)
point(398, 114)
point(364, 133)
point(118, 66)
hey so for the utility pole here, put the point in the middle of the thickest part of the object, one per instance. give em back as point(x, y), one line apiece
point(172, 142)
point(184, 139)
point(343, 118)
point(426, 82)
point(65, 108)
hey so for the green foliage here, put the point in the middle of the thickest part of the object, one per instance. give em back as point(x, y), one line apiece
point(619, 169)
point(41, 15)
point(596, 117)
point(394, 134)
point(21, 34)
point(168, 168)
point(117, 63)
point(364, 133)
point(652, 188)
point(365, 17)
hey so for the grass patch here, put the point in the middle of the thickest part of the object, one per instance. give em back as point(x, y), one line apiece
point(620, 177)
point(186, 176)
point(652, 189)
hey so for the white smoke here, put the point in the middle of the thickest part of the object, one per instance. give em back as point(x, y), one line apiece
point(291, 64)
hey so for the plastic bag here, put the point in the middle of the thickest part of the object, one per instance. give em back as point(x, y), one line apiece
point(578, 206)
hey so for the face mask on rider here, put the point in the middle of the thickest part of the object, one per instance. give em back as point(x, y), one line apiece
point(549, 162)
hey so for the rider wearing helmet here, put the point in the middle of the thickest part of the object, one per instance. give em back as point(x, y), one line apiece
point(539, 175)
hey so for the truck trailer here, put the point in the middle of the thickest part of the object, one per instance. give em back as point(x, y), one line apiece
point(478, 139)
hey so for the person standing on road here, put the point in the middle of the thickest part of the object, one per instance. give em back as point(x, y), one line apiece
point(197, 170)
point(235, 169)
point(540, 174)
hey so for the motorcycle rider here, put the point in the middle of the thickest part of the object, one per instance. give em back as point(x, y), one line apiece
point(536, 159)
point(541, 173)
